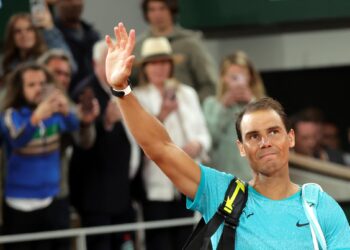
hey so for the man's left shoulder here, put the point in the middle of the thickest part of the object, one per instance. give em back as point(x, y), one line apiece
point(182, 33)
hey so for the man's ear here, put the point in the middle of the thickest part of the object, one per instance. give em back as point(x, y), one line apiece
point(291, 138)
point(241, 148)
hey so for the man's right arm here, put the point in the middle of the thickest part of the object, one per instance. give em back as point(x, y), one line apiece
point(147, 130)
point(157, 145)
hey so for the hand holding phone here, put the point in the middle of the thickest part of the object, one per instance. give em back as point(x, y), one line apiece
point(41, 15)
point(170, 102)
point(170, 88)
point(86, 98)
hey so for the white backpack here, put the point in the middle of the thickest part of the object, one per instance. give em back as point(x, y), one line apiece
point(310, 193)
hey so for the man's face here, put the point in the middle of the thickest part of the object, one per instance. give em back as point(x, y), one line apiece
point(307, 137)
point(33, 84)
point(159, 15)
point(70, 10)
point(265, 142)
point(61, 71)
point(330, 136)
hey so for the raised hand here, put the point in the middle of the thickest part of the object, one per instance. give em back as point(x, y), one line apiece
point(88, 116)
point(62, 103)
point(45, 109)
point(43, 18)
point(169, 104)
point(119, 58)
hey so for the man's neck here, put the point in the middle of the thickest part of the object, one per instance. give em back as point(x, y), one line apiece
point(163, 31)
point(275, 187)
point(71, 24)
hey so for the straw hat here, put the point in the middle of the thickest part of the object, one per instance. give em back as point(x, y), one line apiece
point(155, 48)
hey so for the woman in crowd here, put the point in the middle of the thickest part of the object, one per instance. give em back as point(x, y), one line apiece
point(25, 41)
point(177, 106)
point(239, 84)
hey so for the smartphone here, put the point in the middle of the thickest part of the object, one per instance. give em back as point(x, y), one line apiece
point(47, 91)
point(86, 98)
point(170, 88)
point(37, 8)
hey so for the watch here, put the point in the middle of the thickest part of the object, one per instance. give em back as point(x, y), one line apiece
point(121, 93)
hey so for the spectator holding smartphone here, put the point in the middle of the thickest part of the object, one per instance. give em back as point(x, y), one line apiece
point(100, 179)
point(35, 117)
point(177, 106)
point(239, 84)
point(59, 64)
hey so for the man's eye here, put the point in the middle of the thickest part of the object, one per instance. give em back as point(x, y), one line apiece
point(254, 137)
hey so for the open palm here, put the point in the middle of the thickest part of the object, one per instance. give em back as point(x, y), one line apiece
point(119, 57)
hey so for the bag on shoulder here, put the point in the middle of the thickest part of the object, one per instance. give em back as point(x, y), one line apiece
point(228, 212)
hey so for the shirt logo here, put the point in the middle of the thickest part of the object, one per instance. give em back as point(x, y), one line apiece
point(248, 215)
point(301, 224)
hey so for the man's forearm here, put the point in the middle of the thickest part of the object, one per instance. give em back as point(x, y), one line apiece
point(146, 129)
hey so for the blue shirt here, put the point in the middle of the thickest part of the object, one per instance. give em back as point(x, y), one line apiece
point(271, 224)
point(33, 153)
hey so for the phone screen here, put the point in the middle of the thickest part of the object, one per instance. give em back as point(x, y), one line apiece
point(37, 8)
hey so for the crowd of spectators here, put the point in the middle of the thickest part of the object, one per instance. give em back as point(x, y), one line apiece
point(60, 127)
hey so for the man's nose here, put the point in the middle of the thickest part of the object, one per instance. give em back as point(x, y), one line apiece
point(264, 142)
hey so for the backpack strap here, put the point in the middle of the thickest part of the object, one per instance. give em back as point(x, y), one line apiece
point(231, 209)
point(228, 212)
point(310, 193)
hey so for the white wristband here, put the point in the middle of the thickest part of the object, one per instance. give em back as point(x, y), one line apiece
point(122, 92)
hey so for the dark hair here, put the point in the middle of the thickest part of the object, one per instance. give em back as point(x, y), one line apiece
point(10, 49)
point(171, 4)
point(265, 103)
point(14, 97)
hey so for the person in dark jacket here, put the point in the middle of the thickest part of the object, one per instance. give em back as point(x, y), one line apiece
point(99, 178)
point(78, 34)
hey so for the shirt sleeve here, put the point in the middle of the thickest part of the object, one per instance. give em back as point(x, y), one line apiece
point(55, 40)
point(69, 122)
point(210, 192)
point(18, 129)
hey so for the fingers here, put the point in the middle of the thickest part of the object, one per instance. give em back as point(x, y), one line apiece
point(131, 42)
point(123, 35)
point(109, 42)
point(124, 40)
